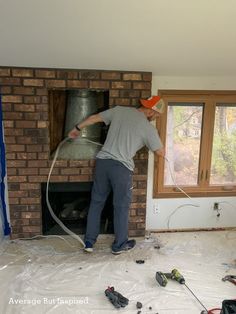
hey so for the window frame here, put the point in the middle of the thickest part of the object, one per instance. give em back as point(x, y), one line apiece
point(210, 99)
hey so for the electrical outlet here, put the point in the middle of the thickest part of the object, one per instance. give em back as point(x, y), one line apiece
point(216, 207)
point(156, 209)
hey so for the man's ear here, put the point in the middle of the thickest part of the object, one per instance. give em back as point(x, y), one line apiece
point(150, 112)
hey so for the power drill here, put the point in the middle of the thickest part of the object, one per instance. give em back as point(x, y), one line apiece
point(175, 275)
point(162, 278)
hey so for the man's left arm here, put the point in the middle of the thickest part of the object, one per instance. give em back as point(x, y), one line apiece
point(160, 152)
point(153, 142)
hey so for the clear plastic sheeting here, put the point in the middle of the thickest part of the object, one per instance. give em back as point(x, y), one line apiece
point(49, 276)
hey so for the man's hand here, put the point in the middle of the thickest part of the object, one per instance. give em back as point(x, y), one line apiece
point(160, 152)
point(95, 118)
point(73, 133)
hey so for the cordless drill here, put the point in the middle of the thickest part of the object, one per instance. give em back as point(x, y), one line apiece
point(175, 275)
point(162, 278)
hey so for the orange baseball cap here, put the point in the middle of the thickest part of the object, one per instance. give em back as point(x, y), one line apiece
point(154, 102)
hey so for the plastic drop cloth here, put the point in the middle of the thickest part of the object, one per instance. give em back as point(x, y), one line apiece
point(49, 276)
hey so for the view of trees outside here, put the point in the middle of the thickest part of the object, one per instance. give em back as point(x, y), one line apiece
point(184, 122)
point(223, 165)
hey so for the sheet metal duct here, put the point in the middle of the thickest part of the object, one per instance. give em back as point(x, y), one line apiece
point(80, 105)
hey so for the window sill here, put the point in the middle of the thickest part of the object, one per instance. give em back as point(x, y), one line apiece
point(209, 193)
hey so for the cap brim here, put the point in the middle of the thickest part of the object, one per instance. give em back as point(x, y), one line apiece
point(159, 106)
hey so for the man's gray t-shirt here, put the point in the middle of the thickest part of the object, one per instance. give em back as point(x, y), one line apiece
point(129, 131)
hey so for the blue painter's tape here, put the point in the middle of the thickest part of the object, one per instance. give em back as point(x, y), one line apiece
point(7, 229)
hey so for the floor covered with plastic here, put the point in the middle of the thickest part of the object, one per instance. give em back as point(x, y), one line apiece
point(50, 276)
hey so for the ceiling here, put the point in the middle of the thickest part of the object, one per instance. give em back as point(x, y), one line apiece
point(166, 37)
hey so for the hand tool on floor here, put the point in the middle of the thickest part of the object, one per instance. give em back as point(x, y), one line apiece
point(230, 278)
point(175, 275)
point(161, 278)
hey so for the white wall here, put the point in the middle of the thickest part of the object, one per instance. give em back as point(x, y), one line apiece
point(161, 212)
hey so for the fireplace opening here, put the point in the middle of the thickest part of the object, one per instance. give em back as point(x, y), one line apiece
point(70, 203)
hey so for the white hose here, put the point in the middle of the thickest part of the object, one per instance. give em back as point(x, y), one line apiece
point(60, 223)
point(179, 188)
point(194, 204)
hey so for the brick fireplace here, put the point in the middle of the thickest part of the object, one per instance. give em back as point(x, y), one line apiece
point(25, 104)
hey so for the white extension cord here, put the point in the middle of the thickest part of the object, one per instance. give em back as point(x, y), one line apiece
point(181, 190)
point(60, 223)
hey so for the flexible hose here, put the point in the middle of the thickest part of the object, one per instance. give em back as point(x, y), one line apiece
point(179, 188)
point(58, 221)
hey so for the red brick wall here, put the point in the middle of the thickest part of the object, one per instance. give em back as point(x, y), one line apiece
point(25, 116)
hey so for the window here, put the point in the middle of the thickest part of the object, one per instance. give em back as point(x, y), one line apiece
point(198, 131)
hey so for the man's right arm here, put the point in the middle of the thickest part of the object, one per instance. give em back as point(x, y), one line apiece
point(95, 118)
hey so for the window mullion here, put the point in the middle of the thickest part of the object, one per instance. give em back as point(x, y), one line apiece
point(206, 144)
point(158, 161)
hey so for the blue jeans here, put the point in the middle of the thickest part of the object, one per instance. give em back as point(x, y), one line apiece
point(110, 175)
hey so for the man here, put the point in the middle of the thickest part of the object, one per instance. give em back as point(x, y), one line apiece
point(129, 131)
